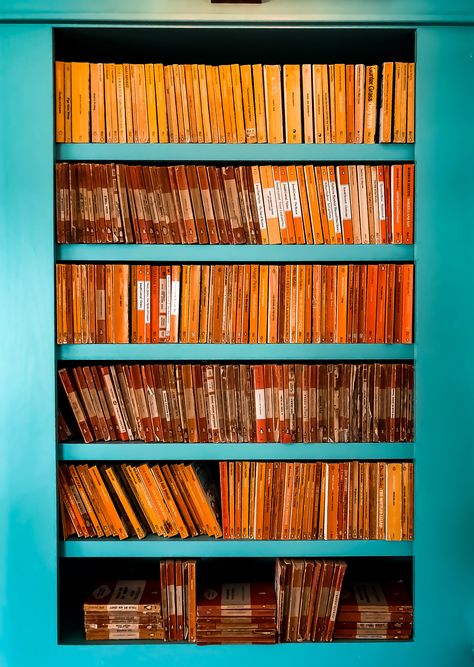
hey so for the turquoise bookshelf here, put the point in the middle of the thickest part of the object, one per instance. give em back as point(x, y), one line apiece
point(32, 558)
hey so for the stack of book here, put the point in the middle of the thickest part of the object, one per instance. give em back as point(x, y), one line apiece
point(124, 610)
point(240, 613)
point(248, 204)
point(374, 610)
point(307, 598)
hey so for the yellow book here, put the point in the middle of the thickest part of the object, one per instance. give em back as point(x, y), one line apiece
point(403, 104)
point(121, 117)
point(332, 101)
point(411, 104)
point(386, 104)
point(238, 103)
point(80, 102)
point(219, 109)
point(397, 127)
point(212, 104)
point(59, 90)
point(127, 91)
point(248, 104)
point(318, 105)
point(259, 98)
point(185, 104)
point(67, 104)
point(359, 103)
point(113, 104)
point(370, 117)
point(273, 103)
point(179, 103)
point(225, 77)
point(206, 120)
point(292, 95)
point(171, 109)
point(151, 104)
point(308, 121)
point(326, 105)
point(160, 92)
point(340, 102)
point(197, 104)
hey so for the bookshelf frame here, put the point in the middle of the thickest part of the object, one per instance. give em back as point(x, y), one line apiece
point(444, 543)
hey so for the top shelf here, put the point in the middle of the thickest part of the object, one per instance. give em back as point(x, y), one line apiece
point(236, 152)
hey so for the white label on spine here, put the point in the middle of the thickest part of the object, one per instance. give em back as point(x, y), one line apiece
point(270, 202)
point(168, 304)
point(295, 199)
point(344, 198)
point(260, 403)
point(381, 189)
point(279, 205)
point(147, 302)
point(100, 304)
point(335, 206)
point(262, 220)
point(175, 297)
point(140, 295)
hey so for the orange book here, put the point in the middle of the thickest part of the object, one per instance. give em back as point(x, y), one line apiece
point(331, 303)
point(178, 93)
point(407, 303)
point(304, 203)
point(386, 107)
point(286, 205)
point(80, 102)
point(238, 103)
point(67, 103)
point(260, 498)
point(160, 93)
point(262, 303)
point(186, 204)
point(140, 120)
point(124, 501)
point(184, 304)
point(127, 93)
point(191, 102)
point(212, 104)
point(269, 200)
point(371, 308)
point(307, 103)
point(328, 202)
point(121, 115)
point(300, 302)
point(394, 501)
point(174, 305)
point(321, 109)
point(248, 104)
point(194, 302)
point(277, 183)
point(231, 500)
point(112, 514)
point(370, 203)
point(335, 204)
point(59, 97)
point(316, 303)
point(180, 81)
point(260, 204)
point(170, 503)
point(403, 104)
point(322, 204)
point(396, 188)
point(147, 305)
point(273, 282)
point(245, 500)
point(311, 189)
point(292, 96)
point(151, 496)
point(340, 103)
point(380, 335)
point(230, 128)
point(259, 98)
point(408, 190)
point(273, 103)
point(204, 304)
point(359, 110)
point(295, 202)
point(370, 115)
point(397, 107)
point(259, 398)
point(350, 104)
point(332, 100)
point(121, 288)
point(343, 189)
point(411, 103)
point(151, 104)
point(308, 305)
point(219, 104)
point(354, 203)
point(204, 101)
point(171, 105)
point(332, 502)
point(390, 304)
point(342, 293)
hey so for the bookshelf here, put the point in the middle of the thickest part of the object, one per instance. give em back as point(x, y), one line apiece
point(32, 558)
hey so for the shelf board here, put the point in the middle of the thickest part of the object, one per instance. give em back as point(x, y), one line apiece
point(242, 353)
point(121, 252)
point(235, 152)
point(139, 451)
point(153, 546)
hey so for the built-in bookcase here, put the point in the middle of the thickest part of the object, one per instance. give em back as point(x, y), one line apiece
point(57, 574)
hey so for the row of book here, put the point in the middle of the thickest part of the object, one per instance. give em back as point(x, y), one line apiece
point(126, 500)
point(349, 402)
point(234, 303)
point(316, 501)
point(248, 204)
point(307, 593)
point(141, 103)
point(160, 610)
point(309, 600)
point(258, 500)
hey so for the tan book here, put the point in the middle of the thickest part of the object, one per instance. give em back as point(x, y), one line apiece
point(197, 103)
point(359, 103)
point(171, 109)
point(127, 90)
point(219, 104)
point(238, 103)
point(259, 98)
point(191, 104)
point(340, 102)
point(370, 115)
point(248, 104)
point(386, 104)
point(273, 103)
point(139, 106)
point(411, 104)
point(151, 103)
point(332, 100)
point(80, 102)
point(292, 96)
point(67, 103)
point(160, 92)
point(204, 101)
point(307, 104)
point(212, 104)
point(59, 99)
point(225, 76)
point(121, 116)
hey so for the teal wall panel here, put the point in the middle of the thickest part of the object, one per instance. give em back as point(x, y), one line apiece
point(444, 254)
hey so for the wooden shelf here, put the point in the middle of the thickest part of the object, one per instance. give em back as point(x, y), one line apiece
point(122, 252)
point(235, 152)
point(156, 547)
point(210, 352)
point(139, 451)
